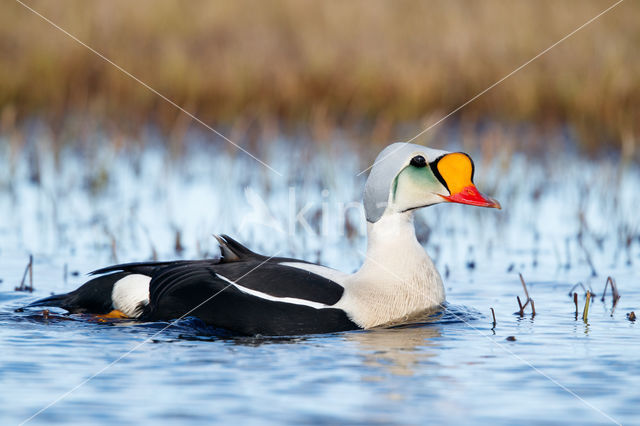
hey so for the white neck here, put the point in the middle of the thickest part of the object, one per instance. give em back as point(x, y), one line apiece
point(397, 280)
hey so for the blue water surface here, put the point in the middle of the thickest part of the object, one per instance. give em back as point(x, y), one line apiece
point(558, 227)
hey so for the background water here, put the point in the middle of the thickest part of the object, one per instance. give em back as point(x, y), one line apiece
point(565, 219)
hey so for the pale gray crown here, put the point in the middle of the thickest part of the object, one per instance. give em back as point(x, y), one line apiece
point(388, 164)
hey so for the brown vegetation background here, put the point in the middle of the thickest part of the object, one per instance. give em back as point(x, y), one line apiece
point(340, 62)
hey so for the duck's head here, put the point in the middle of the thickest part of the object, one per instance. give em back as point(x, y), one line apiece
point(408, 176)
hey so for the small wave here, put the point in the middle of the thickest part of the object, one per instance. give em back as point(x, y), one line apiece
point(450, 314)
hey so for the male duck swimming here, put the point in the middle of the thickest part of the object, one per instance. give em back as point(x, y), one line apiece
point(248, 293)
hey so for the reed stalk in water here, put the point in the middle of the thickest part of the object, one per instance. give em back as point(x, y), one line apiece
point(585, 312)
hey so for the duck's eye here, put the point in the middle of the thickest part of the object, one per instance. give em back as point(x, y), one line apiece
point(418, 161)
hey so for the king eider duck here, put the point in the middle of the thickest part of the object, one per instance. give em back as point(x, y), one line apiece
point(248, 293)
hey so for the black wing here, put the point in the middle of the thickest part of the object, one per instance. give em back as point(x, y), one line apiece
point(256, 272)
point(200, 291)
point(278, 280)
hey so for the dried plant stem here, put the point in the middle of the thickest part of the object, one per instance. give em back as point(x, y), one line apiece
point(520, 305)
point(527, 301)
point(27, 270)
point(576, 286)
point(614, 290)
point(587, 256)
point(178, 242)
point(585, 312)
point(154, 252)
point(112, 240)
point(524, 286)
point(533, 309)
point(30, 272)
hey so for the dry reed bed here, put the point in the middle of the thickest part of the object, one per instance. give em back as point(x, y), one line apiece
point(333, 63)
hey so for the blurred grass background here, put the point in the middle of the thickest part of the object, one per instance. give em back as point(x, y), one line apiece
point(289, 63)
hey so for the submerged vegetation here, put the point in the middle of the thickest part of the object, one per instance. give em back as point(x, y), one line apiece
point(258, 65)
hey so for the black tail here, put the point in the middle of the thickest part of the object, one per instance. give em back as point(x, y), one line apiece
point(92, 297)
point(57, 300)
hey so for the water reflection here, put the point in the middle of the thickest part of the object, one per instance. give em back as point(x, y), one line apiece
point(397, 350)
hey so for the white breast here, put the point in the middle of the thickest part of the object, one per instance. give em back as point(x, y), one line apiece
point(397, 281)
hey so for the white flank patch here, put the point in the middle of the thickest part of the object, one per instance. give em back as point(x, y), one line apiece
point(328, 273)
point(130, 293)
point(266, 296)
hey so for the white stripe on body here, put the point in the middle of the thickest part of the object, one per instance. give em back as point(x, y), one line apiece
point(291, 300)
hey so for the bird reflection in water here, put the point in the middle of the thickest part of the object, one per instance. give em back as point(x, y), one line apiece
point(399, 348)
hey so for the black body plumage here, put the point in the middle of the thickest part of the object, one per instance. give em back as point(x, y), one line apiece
point(234, 292)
